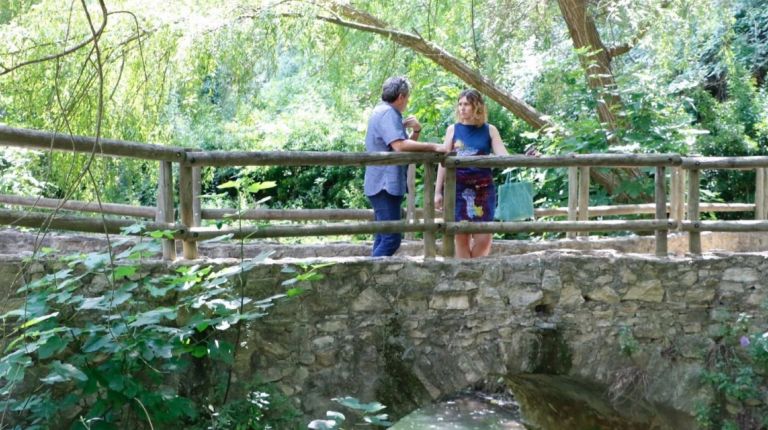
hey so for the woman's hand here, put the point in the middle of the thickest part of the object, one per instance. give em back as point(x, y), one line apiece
point(439, 202)
point(531, 151)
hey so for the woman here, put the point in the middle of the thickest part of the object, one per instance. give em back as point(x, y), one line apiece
point(475, 192)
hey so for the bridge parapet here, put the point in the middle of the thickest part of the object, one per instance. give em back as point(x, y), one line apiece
point(405, 331)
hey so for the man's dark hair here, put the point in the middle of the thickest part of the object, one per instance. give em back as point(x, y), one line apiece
point(393, 87)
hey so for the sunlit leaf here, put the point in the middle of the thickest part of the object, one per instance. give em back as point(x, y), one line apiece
point(38, 320)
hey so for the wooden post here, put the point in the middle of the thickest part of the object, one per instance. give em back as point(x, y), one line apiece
point(410, 207)
point(694, 237)
point(683, 195)
point(760, 193)
point(675, 199)
point(429, 209)
point(165, 205)
point(186, 209)
point(197, 213)
point(661, 211)
point(584, 196)
point(449, 207)
point(573, 196)
point(765, 193)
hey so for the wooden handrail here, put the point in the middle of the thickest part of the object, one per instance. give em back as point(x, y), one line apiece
point(305, 158)
point(582, 160)
point(81, 224)
point(76, 205)
point(41, 140)
point(190, 213)
point(700, 163)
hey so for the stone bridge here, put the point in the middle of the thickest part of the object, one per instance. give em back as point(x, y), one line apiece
point(631, 330)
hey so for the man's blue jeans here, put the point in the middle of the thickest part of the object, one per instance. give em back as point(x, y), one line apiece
point(386, 207)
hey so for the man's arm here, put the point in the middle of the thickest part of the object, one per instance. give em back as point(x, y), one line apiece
point(409, 145)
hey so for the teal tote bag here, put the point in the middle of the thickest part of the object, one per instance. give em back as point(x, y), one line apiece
point(515, 201)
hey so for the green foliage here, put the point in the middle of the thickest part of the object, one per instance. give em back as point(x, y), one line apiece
point(628, 344)
point(223, 75)
point(263, 408)
point(100, 343)
point(737, 368)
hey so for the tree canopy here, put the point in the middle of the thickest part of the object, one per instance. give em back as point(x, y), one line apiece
point(568, 75)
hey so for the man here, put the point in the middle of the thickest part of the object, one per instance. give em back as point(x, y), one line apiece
point(386, 185)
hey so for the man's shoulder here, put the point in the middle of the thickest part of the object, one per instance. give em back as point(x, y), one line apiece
point(382, 109)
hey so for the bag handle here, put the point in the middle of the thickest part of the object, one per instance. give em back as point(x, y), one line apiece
point(508, 172)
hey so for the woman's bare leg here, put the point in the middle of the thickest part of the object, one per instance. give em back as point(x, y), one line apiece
point(481, 245)
point(462, 242)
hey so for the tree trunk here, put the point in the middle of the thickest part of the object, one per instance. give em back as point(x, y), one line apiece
point(596, 61)
point(363, 21)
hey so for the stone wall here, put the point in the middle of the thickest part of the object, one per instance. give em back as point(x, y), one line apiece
point(405, 332)
point(20, 243)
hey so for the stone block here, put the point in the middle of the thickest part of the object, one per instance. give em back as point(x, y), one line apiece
point(551, 281)
point(604, 295)
point(322, 343)
point(332, 326)
point(741, 274)
point(688, 278)
point(325, 358)
point(646, 291)
point(443, 302)
point(571, 296)
point(370, 300)
point(527, 299)
point(729, 289)
point(603, 280)
point(455, 285)
point(700, 295)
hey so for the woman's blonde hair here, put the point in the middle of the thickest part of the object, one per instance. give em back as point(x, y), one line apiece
point(478, 104)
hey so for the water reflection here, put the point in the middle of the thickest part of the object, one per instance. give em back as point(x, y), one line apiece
point(468, 411)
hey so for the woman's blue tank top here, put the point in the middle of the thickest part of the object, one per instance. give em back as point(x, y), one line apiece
point(472, 140)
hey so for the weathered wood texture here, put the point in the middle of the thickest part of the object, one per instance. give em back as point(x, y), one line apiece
point(45, 141)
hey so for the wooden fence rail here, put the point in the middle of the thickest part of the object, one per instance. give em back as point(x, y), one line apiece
point(679, 211)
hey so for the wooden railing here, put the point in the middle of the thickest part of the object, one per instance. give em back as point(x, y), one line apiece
point(683, 215)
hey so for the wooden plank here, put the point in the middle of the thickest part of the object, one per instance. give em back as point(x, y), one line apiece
point(683, 209)
point(701, 163)
point(694, 237)
point(643, 208)
point(292, 214)
point(730, 226)
point(186, 209)
point(45, 141)
point(197, 212)
point(765, 193)
point(410, 203)
point(674, 197)
point(583, 196)
point(580, 160)
point(165, 209)
point(573, 198)
point(80, 206)
point(661, 210)
point(307, 158)
point(299, 230)
point(45, 221)
point(429, 210)
point(556, 226)
point(449, 214)
point(760, 194)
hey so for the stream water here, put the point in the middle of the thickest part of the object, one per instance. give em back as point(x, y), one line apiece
point(544, 402)
point(466, 411)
